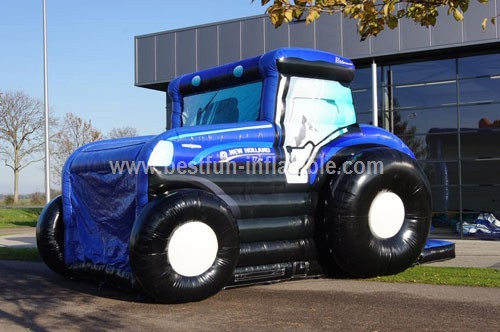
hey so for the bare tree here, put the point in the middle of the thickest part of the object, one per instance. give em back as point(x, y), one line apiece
point(73, 133)
point(122, 132)
point(21, 132)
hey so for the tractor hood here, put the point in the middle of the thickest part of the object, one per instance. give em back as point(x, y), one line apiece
point(99, 191)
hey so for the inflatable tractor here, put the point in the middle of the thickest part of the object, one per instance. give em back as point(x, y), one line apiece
point(263, 176)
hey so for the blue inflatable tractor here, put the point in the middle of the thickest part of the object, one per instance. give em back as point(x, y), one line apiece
point(263, 176)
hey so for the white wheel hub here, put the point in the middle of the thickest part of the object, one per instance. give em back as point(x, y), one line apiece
point(192, 248)
point(386, 215)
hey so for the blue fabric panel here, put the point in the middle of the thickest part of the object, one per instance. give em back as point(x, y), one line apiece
point(99, 204)
point(268, 102)
point(226, 70)
point(268, 60)
point(97, 157)
point(373, 135)
point(67, 194)
point(175, 95)
point(432, 243)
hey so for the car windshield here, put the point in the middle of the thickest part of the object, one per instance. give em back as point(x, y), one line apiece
point(234, 104)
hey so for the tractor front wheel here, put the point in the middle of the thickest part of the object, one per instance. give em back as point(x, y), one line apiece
point(376, 222)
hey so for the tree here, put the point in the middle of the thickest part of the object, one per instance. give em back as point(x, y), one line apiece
point(122, 132)
point(73, 133)
point(372, 15)
point(37, 198)
point(21, 132)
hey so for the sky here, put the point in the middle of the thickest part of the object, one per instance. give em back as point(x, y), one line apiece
point(91, 59)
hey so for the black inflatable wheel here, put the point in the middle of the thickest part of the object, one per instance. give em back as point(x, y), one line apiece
point(50, 236)
point(184, 247)
point(377, 224)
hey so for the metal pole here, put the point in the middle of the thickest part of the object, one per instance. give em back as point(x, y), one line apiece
point(46, 105)
point(168, 122)
point(374, 94)
point(391, 100)
point(459, 147)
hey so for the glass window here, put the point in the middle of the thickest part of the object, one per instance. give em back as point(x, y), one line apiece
point(482, 171)
point(445, 199)
point(480, 116)
point(481, 198)
point(427, 98)
point(427, 71)
point(362, 99)
point(481, 65)
point(421, 95)
point(366, 118)
point(480, 143)
point(417, 145)
point(441, 173)
point(480, 90)
point(421, 121)
point(440, 146)
point(235, 104)
point(363, 78)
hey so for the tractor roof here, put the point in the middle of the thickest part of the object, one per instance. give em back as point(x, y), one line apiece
point(291, 61)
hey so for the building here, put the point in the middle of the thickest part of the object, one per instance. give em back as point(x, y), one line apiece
point(438, 88)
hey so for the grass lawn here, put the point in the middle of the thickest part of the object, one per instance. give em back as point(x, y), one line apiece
point(456, 276)
point(19, 217)
point(20, 254)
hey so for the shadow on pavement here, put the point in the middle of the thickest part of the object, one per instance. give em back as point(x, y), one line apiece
point(34, 293)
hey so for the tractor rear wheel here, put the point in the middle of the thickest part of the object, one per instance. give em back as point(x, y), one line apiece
point(50, 236)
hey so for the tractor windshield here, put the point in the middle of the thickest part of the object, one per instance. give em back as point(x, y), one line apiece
point(234, 104)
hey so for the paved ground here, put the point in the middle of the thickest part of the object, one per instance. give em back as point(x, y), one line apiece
point(474, 253)
point(34, 298)
point(20, 237)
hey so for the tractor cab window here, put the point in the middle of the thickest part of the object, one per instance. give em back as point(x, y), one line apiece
point(316, 109)
point(317, 112)
point(229, 105)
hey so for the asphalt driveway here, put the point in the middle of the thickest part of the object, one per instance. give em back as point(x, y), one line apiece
point(34, 298)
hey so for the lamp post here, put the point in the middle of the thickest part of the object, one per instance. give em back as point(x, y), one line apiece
point(46, 106)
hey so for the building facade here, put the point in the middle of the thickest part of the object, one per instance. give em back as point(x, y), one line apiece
point(438, 88)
